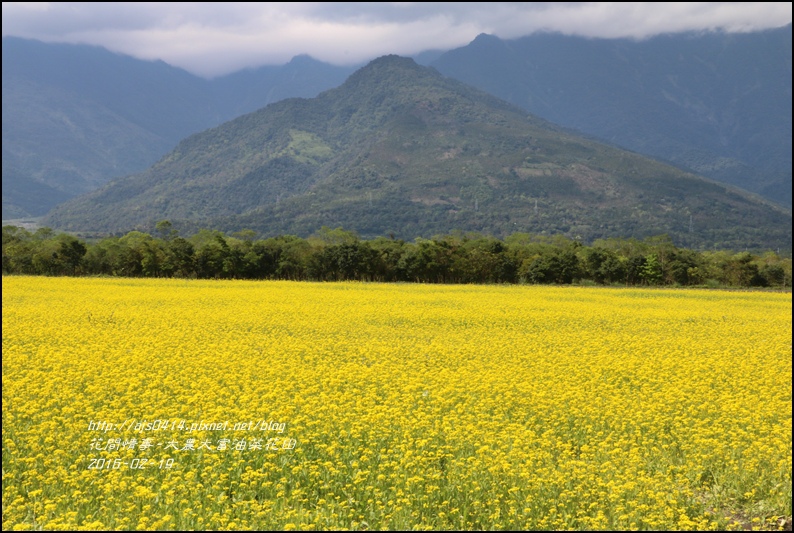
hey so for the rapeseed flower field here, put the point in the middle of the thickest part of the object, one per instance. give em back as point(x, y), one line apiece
point(222, 405)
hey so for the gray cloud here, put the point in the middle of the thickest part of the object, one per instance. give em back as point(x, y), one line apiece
point(213, 38)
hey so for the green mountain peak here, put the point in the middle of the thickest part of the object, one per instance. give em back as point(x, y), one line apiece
point(398, 148)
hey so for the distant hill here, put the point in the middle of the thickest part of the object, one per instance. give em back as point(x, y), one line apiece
point(75, 116)
point(400, 149)
point(718, 104)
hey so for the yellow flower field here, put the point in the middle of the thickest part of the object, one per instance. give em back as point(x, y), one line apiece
point(174, 404)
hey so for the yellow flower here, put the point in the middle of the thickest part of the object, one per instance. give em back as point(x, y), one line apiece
point(409, 405)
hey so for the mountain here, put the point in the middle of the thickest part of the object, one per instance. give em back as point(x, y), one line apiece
point(718, 104)
point(248, 90)
point(75, 116)
point(400, 149)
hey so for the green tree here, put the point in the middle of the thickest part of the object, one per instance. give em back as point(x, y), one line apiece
point(17, 251)
point(603, 265)
point(166, 230)
point(741, 270)
point(70, 253)
point(651, 271)
point(294, 258)
point(179, 259)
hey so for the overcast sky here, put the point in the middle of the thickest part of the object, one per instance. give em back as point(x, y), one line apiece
point(211, 39)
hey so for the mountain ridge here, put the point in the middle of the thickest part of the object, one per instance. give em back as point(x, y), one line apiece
point(680, 98)
point(399, 148)
point(716, 104)
point(75, 116)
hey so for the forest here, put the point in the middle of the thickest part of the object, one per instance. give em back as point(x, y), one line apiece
point(338, 255)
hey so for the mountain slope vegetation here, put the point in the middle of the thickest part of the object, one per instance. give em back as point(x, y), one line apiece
point(716, 103)
point(400, 149)
point(76, 116)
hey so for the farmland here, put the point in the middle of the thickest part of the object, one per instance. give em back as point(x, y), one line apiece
point(386, 406)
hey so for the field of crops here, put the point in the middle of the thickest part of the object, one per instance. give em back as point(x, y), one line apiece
point(173, 404)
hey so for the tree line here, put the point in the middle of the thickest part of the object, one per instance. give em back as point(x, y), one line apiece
point(337, 255)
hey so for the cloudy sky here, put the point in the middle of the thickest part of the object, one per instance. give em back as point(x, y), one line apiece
point(211, 39)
